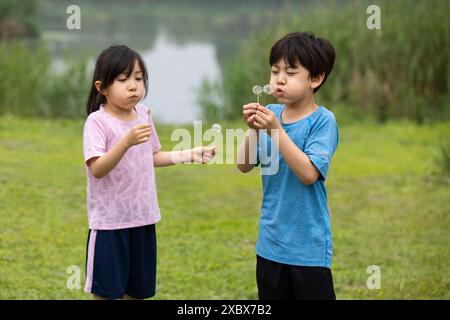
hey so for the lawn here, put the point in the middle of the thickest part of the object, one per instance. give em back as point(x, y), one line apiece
point(389, 207)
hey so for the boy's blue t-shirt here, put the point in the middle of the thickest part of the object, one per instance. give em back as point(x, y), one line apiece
point(295, 224)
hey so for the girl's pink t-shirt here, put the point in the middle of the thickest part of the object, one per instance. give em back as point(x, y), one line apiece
point(126, 197)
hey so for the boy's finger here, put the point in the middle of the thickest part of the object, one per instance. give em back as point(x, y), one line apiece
point(263, 109)
point(250, 106)
point(261, 114)
point(257, 125)
point(259, 119)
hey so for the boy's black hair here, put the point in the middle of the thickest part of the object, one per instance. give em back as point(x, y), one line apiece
point(315, 54)
point(111, 63)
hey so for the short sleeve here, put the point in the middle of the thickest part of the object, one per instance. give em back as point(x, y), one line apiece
point(322, 143)
point(94, 139)
point(156, 145)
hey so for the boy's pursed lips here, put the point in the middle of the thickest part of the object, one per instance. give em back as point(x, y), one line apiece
point(279, 91)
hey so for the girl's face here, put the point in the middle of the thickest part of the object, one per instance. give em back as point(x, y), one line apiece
point(125, 92)
point(291, 83)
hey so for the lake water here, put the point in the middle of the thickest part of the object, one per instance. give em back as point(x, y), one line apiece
point(175, 74)
point(181, 42)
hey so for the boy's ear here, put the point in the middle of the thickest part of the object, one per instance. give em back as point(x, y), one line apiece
point(98, 86)
point(315, 82)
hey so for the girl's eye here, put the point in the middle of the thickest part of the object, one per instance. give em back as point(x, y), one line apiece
point(138, 79)
point(121, 80)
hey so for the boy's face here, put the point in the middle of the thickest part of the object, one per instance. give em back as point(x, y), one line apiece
point(290, 83)
point(125, 92)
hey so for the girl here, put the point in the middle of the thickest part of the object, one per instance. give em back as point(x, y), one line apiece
point(121, 148)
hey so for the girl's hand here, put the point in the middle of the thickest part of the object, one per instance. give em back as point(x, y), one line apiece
point(249, 112)
point(138, 134)
point(266, 119)
point(203, 154)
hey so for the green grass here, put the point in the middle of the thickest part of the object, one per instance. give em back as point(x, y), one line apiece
point(389, 207)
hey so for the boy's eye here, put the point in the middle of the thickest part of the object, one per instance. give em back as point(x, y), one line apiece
point(274, 71)
point(291, 73)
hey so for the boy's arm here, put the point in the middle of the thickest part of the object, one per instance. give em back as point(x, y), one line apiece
point(246, 157)
point(296, 159)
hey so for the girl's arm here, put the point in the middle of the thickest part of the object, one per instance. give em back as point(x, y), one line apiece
point(103, 165)
point(246, 157)
point(198, 155)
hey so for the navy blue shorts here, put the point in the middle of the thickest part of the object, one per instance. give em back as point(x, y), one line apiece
point(121, 262)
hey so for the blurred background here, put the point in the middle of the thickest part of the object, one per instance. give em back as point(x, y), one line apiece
point(389, 181)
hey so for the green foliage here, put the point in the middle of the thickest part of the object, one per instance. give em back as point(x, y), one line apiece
point(33, 89)
point(18, 19)
point(400, 71)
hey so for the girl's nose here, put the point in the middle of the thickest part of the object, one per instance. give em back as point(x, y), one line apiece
point(132, 86)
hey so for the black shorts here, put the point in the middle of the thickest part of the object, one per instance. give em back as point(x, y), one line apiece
point(278, 281)
point(121, 262)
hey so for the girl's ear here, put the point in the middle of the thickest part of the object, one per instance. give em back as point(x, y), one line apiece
point(98, 86)
point(315, 82)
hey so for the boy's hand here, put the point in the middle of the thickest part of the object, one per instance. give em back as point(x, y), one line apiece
point(138, 134)
point(266, 119)
point(203, 154)
point(249, 112)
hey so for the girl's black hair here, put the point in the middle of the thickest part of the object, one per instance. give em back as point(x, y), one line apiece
point(111, 63)
point(315, 54)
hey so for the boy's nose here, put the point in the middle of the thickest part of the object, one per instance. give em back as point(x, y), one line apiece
point(280, 80)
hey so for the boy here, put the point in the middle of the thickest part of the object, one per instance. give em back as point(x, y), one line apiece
point(294, 246)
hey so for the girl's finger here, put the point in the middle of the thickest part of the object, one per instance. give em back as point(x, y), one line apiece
point(144, 137)
point(144, 130)
point(142, 126)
